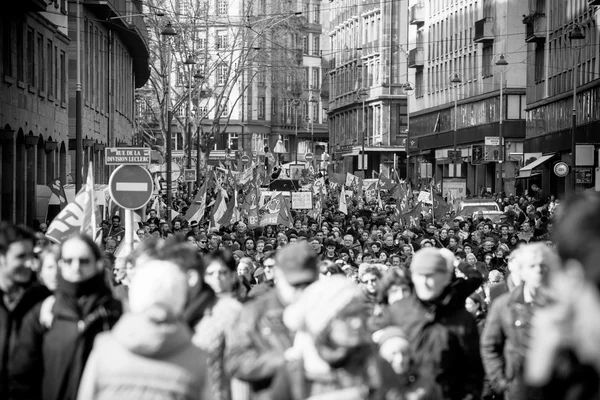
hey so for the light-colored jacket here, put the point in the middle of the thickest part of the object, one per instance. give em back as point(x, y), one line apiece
point(143, 359)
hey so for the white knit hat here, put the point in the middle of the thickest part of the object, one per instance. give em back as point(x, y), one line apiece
point(158, 285)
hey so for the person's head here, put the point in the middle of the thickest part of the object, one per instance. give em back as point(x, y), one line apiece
point(328, 268)
point(249, 244)
point(48, 273)
point(525, 226)
point(495, 277)
point(535, 187)
point(388, 239)
point(260, 246)
point(407, 250)
point(158, 290)
point(536, 260)
point(370, 279)
point(295, 268)
point(16, 256)
point(396, 261)
point(152, 213)
point(475, 304)
point(394, 347)
point(394, 286)
point(176, 225)
point(80, 259)
point(245, 268)
point(187, 257)
point(116, 221)
point(348, 240)
point(471, 258)
point(430, 274)
point(220, 272)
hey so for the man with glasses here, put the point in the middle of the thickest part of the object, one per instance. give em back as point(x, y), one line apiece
point(18, 290)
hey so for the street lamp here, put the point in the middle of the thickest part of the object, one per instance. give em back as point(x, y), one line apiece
point(362, 94)
point(169, 32)
point(198, 77)
point(502, 66)
point(576, 41)
point(296, 104)
point(408, 89)
point(190, 62)
point(456, 79)
point(313, 101)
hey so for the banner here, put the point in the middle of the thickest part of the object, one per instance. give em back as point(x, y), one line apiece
point(58, 190)
point(302, 200)
point(413, 217)
point(343, 206)
point(276, 213)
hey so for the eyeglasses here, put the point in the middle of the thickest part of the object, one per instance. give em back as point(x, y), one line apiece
point(81, 261)
point(369, 281)
point(202, 241)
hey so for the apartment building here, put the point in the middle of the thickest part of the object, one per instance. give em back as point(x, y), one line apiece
point(367, 110)
point(456, 112)
point(558, 64)
point(37, 93)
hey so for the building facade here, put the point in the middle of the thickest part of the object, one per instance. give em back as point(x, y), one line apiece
point(557, 65)
point(455, 46)
point(37, 91)
point(367, 110)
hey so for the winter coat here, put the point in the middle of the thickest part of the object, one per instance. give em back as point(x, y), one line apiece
point(209, 335)
point(444, 342)
point(255, 348)
point(51, 353)
point(143, 359)
point(10, 327)
point(504, 342)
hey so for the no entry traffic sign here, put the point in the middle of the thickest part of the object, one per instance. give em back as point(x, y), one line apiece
point(130, 186)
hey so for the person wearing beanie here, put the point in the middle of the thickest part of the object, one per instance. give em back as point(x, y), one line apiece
point(332, 340)
point(149, 353)
point(255, 348)
point(442, 334)
point(51, 352)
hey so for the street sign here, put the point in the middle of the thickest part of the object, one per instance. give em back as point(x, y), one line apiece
point(189, 175)
point(454, 154)
point(246, 159)
point(309, 156)
point(127, 155)
point(130, 186)
point(492, 141)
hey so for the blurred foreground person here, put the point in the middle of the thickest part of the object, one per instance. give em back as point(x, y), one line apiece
point(506, 335)
point(333, 354)
point(563, 361)
point(443, 335)
point(257, 344)
point(54, 345)
point(149, 353)
point(19, 291)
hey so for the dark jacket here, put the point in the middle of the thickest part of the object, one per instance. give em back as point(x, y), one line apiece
point(504, 342)
point(255, 349)
point(444, 342)
point(49, 358)
point(10, 327)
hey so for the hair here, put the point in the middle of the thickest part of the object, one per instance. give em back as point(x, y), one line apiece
point(225, 257)
point(150, 247)
point(182, 254)
point(10, 234)
point(329, 267)
point(98, 255)
point(393, 277)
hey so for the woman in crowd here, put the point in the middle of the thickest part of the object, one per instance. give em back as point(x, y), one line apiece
point(52, 349)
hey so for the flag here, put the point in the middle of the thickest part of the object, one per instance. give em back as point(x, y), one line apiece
point(413, 217)
point(89, 224)
point(76, 217)
point(318, 206)
point(250, 206)
point(232, 213)
point(343, 207)
point(247, 175)
point(198, 207)
point(371, 192)
point(156, 205)
point(385, 182)
point(58, 190)
point(276, 213)
point(219, 209)
point(379, 202)
point(440, 207)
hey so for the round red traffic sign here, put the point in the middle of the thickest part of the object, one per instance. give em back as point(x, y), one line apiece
point(131, 186)
point(245, 159)
point(309, 156)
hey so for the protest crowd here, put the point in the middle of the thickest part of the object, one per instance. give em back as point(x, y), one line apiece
point(376, 292)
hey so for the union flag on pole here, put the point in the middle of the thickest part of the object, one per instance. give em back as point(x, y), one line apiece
point(276, 213)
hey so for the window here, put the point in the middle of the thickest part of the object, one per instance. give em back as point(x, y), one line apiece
point(222, 71)
point(184, 8)
point(56, 72)
point(305, 9)
point(7, 47)
point(20, 54)
point(261, 77)
point(49, 62)
point(316, 17)
point(261, 108)
point(316, 46)
point(539, 63)
point(305, 45)
point(305, 79)
point(222, 40)
point(31, 57)
point(315, 84)
point(224, 109)
point(419, 83)
point(273, 106)
point(486, 61)
point(180, 75)
point(263, 7)
point(40, 63)
point(222, 7)
point(63, 76)
point(259, 142)
point(233, 141)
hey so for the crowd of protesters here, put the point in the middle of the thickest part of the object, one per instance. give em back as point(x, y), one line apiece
point(338, 306)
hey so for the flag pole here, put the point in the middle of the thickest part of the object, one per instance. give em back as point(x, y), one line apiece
point(432, 204)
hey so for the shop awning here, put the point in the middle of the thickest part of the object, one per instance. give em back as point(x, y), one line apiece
point(533, 174)
point(527, 171)
point(354, 152)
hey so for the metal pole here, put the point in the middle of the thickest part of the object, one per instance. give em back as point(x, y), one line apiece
point(501, 133)
point(78, 108)
point(198, 157)
point(189, 130)
point(364, 131)
point(574, 124)
point(454, 133)
point(128, 231)
point(169, 161)
point(296, 139)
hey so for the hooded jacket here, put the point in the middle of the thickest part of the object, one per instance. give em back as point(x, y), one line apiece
point(144, 359)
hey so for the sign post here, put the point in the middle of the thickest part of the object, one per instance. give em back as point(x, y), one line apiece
point(130, 187)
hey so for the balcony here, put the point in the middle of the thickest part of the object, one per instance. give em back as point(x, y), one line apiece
point(484, 30)
point(535, 28)
point(417, 15)
point(416, 58)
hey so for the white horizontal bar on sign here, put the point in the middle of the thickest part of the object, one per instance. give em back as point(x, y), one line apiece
point(132, 186)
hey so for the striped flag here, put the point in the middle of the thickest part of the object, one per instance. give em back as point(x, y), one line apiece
point(219, 209)
point(198, 207)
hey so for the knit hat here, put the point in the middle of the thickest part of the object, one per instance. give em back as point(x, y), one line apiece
point(320, 303)
point(239, 253)
point(429, 261)
point(298, 262)
point(159, 287)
